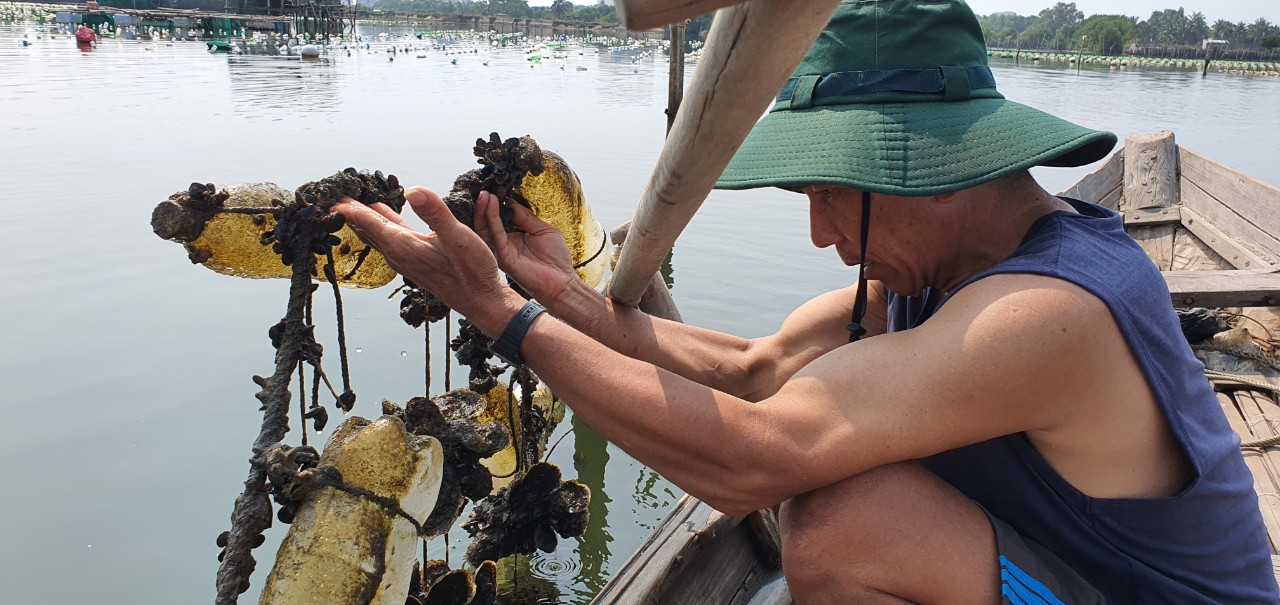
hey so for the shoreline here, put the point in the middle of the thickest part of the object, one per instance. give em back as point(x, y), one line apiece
point(1224, 66)
point(42, 13)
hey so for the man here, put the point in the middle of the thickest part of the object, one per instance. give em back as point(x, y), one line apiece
point(1019, 419)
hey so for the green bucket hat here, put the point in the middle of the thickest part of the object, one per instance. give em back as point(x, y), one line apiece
point(895, 97)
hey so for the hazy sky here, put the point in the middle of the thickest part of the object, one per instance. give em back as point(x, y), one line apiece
point(1231, 10)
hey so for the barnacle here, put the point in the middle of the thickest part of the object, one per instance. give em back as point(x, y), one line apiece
point(293, 473)
point(318, 416)
point(435, 584)
point(518, 171)
point(182, 218)
point(503, 166)
point(471, 347)
point(305, 224)
point(527, 515)
point(361, 186)
point(468, 431)
point(419, 306)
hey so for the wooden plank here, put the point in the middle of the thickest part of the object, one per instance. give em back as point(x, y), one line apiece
point(1152, 216)
point(1226, 220)
point(1190, 253)
point(1253, 460)
point(1231, 250)
point(724, 568)
point(1113, 200)
point(750, 52)
point(1150, 170)
point(1157, 242)
point(1261, 417)
point(1255, 201)
point(764, 525)
point(685, 535)
point(1101, 183)
point(773, 591)
point(1223, 288)
point(650, 562)
point(761, 573)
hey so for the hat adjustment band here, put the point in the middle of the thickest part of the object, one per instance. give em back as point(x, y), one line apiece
point(955, 83)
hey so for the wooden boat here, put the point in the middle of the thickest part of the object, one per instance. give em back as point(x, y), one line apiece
point(1215, 235)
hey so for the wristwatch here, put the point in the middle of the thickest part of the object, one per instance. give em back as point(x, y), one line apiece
point(507, 346)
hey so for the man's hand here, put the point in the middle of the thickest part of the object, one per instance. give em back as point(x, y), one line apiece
point(537, 259)
point(451, 262)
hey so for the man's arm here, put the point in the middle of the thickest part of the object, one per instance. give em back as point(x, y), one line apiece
point(537, 257)
point(748, 368)
point(1006, 355)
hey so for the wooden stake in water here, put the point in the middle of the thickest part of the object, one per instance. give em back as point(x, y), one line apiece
point(675, 87)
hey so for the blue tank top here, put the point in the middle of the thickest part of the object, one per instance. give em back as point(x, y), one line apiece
point(1207, 544)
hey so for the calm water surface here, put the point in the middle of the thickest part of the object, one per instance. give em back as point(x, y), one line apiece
point(128, 406)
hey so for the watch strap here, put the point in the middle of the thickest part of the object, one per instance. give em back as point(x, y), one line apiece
point(507, 346)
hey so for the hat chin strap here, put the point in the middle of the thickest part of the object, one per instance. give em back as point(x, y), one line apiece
point(855, 328)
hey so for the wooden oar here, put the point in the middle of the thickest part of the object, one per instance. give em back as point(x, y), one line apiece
point(751, 50)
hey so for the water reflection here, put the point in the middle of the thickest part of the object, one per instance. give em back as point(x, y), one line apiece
point(590, 457)
point(278, 86)
point(518, 585)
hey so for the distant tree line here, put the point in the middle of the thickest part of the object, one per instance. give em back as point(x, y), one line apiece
point(1064, 27)
point(561, 10)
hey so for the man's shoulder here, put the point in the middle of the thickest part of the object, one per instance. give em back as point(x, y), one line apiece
point(1029, 295)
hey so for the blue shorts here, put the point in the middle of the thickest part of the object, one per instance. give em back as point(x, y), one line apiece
point(1031, 575)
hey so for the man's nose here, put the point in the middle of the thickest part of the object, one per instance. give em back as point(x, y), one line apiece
point(820, 231)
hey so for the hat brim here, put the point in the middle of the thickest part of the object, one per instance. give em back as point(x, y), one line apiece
point(908, 149)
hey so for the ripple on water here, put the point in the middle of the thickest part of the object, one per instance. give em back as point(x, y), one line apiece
point(554, 566)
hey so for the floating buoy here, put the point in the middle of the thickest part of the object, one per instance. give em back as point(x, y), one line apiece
point(309, 51)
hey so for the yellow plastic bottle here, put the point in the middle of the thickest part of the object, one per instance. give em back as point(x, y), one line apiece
point(231, 244)
point(556, 197)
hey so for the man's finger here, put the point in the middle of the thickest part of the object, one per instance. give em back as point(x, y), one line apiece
point(428, 205)
point(526, 220)
point(390, 214)
point(492, 208)
point(370, 225)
